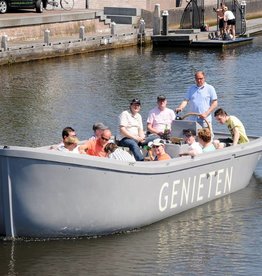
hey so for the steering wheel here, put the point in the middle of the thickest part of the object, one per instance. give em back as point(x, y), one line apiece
point(196, 114)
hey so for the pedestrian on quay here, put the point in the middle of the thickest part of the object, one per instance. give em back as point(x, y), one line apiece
point(220, 16)
point(229, 23)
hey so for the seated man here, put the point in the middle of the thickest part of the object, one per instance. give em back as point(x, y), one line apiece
point(160, 119)
point(194, 147)
point(98, 129)
point(114, 152)
point(235, 126)
point(96, 147)
point(66, 132)
point(131, 132)
point(158, 146)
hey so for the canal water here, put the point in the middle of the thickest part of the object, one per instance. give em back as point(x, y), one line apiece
point(38, 99)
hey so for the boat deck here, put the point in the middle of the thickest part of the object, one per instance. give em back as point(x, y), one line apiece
point(196, 39)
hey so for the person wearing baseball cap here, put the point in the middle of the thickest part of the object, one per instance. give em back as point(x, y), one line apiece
point(160, 119)
point(131, 133)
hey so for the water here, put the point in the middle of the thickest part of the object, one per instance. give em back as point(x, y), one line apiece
point(38, 99)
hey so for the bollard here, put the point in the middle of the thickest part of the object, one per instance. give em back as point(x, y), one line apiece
point(156, 20)
point(243, 6)
point(165, 23)
point(113, 28)
point(142, 26)
point(4, 42)
point(82, 32)
point(47, 37)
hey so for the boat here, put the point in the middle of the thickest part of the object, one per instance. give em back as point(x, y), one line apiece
point(50, 194)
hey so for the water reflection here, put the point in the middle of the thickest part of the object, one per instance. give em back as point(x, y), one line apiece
point(39, 98)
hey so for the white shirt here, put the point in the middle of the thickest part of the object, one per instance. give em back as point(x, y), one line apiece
point(62, 148)
point(196, 146)
point(228, 15)
point(133, 123)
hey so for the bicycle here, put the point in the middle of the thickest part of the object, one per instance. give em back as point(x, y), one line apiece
point(65, 4)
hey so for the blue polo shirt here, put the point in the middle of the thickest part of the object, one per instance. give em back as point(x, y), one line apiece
point(200, 99)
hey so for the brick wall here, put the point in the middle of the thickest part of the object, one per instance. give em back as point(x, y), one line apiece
point(150, 4)
point(80, 4)
point(94, 4)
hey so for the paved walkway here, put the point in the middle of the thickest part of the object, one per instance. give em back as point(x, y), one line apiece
point(252, 25)
point(30, 17)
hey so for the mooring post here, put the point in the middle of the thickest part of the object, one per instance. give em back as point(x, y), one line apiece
point(142, 26)
point(156, 20)
point(141, 31)
point(165, 23)
point(4, 42)
point(47, 37)
point(82, 32)
point(113, 28)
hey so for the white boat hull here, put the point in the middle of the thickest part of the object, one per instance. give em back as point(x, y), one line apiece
point(51, 194)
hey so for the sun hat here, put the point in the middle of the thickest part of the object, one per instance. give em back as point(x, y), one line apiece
point(156, 142)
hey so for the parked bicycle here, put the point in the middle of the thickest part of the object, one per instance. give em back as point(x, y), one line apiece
point(65, 4)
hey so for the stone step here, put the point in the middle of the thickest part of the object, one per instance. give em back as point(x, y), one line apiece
point(122, 11)
point(120, 19)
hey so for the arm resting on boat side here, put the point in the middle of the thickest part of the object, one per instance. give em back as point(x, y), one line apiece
point(191, 153)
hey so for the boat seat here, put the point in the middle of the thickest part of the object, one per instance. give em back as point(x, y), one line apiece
point(174, 149)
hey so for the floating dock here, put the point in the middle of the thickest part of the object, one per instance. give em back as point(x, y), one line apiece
point(195, 38)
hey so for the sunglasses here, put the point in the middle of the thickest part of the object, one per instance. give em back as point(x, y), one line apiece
point(105, 139)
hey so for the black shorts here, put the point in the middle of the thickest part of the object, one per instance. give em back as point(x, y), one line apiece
point(231, 22)
point(221, 23)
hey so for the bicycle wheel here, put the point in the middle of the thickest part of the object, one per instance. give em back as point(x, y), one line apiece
point(67, 4)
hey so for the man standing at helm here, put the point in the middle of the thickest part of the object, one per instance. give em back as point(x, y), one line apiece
point(202, 99)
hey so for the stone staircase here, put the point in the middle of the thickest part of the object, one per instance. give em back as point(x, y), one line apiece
point(129, 16)
point(126, 22)
point(102, 17)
